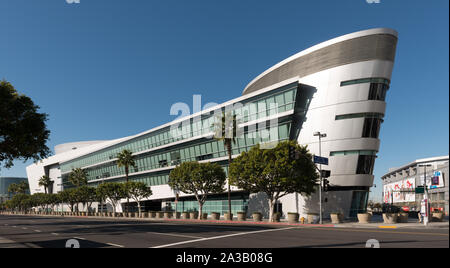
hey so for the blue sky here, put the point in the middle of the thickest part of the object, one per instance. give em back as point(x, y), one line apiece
point(104, 69)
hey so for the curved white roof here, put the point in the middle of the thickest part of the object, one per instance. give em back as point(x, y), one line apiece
point(322, 45)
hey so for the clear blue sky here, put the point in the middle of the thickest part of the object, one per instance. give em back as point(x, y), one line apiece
point(104, 69)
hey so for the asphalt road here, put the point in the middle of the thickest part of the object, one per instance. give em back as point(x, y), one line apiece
point(54, 232)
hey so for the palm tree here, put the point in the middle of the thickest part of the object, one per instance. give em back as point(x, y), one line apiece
point(78, 177)
point(45, 182)
point(126, 159)
point(225, 130)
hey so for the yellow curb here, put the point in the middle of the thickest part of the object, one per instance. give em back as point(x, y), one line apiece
point(387, 227)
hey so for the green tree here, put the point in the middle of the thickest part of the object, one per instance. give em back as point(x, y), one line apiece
point(13, 188)
point(23, 133)
point(114, 192)
point(86, 195)
point(100, 196)
point(126, 159)
point(225, 130)
point(199, 179)
point(271, 171)
point(69, 196)
point(78, 177)
point(137, 191)
point(45, 182)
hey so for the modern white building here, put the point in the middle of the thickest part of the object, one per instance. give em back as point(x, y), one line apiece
point(337, 87)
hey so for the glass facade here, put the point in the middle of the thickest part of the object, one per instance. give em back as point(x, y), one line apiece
point(359, 203)
point(154, 165)
point(378, 87)
point(262, 106)
point(239, 203)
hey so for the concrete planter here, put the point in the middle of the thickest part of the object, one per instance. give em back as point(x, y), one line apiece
point(437, 216)
point(313, 218)
point(228, 217)
point(293, 217)
point(177, 215)
point(337, 218)
point(215, 216)
point(144, 214)
point(152, 214)
point(390, 218)
point(276, 217)
point(185, 215)
point(364, 217)
point(193, 215)
point(160, 214)
point(403, 217)
point(257, 216)
point(241, 216)
point(204, 216)
point(167, 215)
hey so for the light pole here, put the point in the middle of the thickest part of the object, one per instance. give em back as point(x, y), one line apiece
point(427, 206)
point(320, 135)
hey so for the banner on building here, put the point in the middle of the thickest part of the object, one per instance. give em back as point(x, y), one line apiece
point(434, 181)
point(400, 192)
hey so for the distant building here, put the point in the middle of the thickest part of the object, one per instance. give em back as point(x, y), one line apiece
point(4, 184)
point(399, 183)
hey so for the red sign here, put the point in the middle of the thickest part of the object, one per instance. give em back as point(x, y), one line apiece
point(405, 209)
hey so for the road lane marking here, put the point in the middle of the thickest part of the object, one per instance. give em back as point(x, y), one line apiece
point(80, 238)
point(24, 228)
point(222, 236)
point(387, 227)
point(115, 245)
point(38, 231)
point(55, 234)
point(187, 236)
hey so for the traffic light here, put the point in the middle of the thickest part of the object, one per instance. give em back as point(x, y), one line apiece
point(325, 173)
point(326, 185)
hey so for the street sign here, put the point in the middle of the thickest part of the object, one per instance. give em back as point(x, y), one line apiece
point(320, 160)
point(420, 190)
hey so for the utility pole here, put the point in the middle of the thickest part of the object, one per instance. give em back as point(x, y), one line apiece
point(427, 206)
point(321, 135)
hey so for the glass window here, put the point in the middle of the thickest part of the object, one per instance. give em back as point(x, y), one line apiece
point(371, 128)
point(378, 91)
point(365, 164)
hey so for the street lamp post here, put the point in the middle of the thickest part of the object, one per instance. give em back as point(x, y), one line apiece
point(427, 206)
point(320, 135)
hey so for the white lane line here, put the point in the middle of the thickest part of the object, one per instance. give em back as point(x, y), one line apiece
point(38, 231)
point(222, 236)
point(24, 228)
point(187, 236)
point(115, 245)
point(55, 234)
point(80, 238)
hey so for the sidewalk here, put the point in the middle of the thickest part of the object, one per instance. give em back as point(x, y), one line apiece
point(377, 222)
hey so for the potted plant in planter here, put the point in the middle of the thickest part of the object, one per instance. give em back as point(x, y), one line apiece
point(228, 217)
point(337, 217)
point(193, 215)
point(160, 214)
point(390, 218)
point(364, 217)
point(313, 218)
point(215, 216)
point(276, 217)
point(257, 216)
point(167, 214)
point(152, 214)
point(293, 217)
point(185, 215)
point(437, 216)
point(241, 216)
